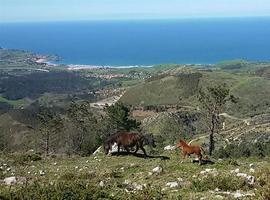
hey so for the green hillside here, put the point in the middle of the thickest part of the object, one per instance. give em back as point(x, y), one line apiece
point(252, 91)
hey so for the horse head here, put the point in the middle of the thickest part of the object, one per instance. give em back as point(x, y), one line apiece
point(181, 143)
point(149, 140)
point(107, 147)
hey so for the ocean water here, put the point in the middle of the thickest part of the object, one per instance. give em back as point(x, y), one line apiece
point(122, 43)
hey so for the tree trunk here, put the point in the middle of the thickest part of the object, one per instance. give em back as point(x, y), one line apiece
point(47, 148)
point(211, 143)
point(211, 136)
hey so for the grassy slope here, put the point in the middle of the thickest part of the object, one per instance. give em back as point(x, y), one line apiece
point(15, 103)
point(114, 171)
point(251, 90)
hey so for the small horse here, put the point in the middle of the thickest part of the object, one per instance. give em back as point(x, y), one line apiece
point(129, 139)
point(190, 149)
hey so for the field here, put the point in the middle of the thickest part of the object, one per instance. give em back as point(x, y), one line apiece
point(130, 177)
point(164, 101)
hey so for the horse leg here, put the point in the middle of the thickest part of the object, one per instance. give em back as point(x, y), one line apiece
point(127, 149)
point(200, 158)
point(118, 149)
point(144, 152)
point(184, 154)
point(137, 148)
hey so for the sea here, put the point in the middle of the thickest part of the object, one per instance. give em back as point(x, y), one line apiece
point(143, 42)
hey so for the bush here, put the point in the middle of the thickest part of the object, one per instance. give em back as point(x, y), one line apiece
point(26, 158)
point(223, 182)
point(263, 184)
point(243, 150)
point(62, 190)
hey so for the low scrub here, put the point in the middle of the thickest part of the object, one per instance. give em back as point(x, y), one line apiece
point(61, 190)
point(244, 150)
point(222, 182)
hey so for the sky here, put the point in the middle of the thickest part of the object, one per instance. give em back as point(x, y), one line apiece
point(66, 10)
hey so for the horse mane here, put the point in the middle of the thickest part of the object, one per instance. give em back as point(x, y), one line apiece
point(111, 138)
point(183, 143)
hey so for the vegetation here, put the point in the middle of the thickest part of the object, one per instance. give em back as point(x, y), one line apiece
point(118, 116)
point(213, 101)
point(114, 177)
point(50, 126)
point(245, 150)
point(52, 120)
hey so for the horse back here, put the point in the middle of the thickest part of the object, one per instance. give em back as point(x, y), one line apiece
point(193, 149)
point(128, 139)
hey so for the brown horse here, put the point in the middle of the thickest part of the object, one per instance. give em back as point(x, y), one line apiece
point(127, 140)
point(190, 149)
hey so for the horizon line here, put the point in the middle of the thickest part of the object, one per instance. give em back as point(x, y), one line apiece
point(135, 19)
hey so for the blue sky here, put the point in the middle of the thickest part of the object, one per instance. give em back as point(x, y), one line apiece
point(58, 10)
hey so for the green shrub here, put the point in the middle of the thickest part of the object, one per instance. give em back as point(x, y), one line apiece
point(243, 150)
point(62, 190)
point(223, 182)
point(263, 184)
point(26, 158)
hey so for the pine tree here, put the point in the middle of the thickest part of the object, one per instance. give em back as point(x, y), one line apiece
point(213, 100)
point(50, 126)
point(119, 117)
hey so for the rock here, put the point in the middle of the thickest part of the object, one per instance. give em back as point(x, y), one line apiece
point(14, 180)
point(133, 186)
point(251, 165)
point(169, 148)
point(172, 184)
point(235, 171)
point(97, 151)
point(101, 184)
point(42, 172)
point(219, 197)
point(157, 170)
point(180, 179)
point(137, 186)
point(133, 165)
point(210, 171)
point(251, 170)
point(10, 180)
point(250, 179)
point(238, 194)
point(242, 175)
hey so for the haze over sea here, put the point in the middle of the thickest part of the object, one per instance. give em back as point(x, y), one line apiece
point(143, 42)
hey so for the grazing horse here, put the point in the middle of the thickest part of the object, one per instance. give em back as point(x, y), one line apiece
point(129, 139)
point(190, 149)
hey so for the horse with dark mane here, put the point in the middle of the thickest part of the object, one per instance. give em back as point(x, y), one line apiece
point(190, 149)
point(129, 139)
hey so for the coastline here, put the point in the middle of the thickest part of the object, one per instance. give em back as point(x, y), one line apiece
point(86, 67)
